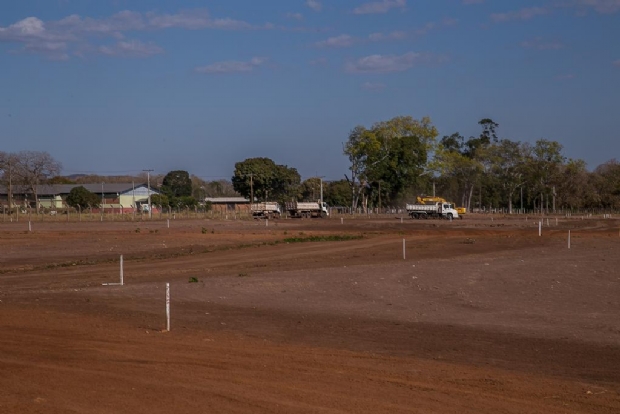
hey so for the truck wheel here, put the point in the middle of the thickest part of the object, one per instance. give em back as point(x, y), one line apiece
point(449, 216)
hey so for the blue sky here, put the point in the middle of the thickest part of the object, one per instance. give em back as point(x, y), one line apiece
point(117, 86)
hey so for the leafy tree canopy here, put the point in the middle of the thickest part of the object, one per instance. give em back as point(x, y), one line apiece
point(267, 180)
point(177, 184)
point(82, 198)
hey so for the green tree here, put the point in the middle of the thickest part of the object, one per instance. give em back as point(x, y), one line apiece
point(543, 167)
point(177, 184)
point(160, 200)
point(311, 189)
point(82, 198)
point(606, 179)
point(266, 180)
point(393, 153)
point(507, 161)
point(337, 193)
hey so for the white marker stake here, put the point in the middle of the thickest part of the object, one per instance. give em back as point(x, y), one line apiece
point(569, 239)
point(547, 222)
point(122, 270)
point(267, 223)
point(29, 227)
point(168, 222)
point(539, 228)
point(556, 221)
point(168, 307)
point(404, 255)
point(341, 220)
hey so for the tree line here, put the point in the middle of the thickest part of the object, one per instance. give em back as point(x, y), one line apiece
point(390, 164)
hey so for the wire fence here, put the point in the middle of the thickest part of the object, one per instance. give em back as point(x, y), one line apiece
point(237, 213)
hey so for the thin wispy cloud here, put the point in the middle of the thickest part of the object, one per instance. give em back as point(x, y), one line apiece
point(539, 43)
point(314, 5)
point(522, 14)
point(390, 63)
point(600, 6)
point(337, 41)
point(231, 66)
point(58, 39)
point(296, 16)
point(373, 86)
point(379, 7)
point(395, 35)
point(421, 31)
point(131, 48)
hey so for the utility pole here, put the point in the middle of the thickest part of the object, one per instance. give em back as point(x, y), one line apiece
point(148, 186)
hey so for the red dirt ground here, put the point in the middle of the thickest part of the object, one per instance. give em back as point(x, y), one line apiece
point(483, 316)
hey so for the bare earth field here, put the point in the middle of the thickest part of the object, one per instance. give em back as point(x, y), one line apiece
point(483, 316)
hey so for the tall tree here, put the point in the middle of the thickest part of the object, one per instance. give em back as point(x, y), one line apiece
point(8, 163)
point(507, 163)
point(177, 184)
point(34, 168)
point(543, 168)
point(392, 154)
point(264, 180)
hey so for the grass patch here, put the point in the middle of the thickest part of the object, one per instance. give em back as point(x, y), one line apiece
point(329, 238)
point(193, 280)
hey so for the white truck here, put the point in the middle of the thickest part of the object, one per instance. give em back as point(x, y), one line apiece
point(437, 210)
point(267, 210)
point(299, 209)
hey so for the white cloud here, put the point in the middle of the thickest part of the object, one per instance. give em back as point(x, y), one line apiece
point(390, 63)
point(522, 14)
point(617, 63)
point(601, 6)
point(377, 7)
point(296, 16)
point(131, 48)
point(314, 5)
point(232, 66)
point(395, 35)
point(373, 86)
point(539, 43)
point(337, 41)
point(58, 39)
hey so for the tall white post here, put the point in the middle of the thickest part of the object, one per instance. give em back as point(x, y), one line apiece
point(168, 307)
point(341, 220)
point(404, 254)
point(122, 270)
point(540, 228)
point(29, 226)
point(569, 239)
point(168, 222)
